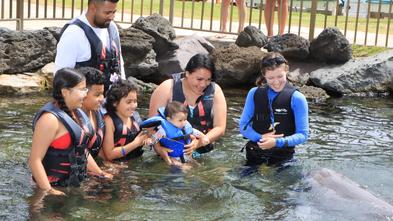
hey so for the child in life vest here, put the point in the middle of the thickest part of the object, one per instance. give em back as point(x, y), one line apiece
point(123, 140)
point(173, 130)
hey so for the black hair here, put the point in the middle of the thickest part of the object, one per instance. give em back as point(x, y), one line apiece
point(201, 61)
point(271, 61)
point(116, 92)
point(100, 1)
point(65, 78)
point(173, 108)
point(93, 76)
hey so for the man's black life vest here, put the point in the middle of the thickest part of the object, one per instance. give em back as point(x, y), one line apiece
point(284, 119)
point(68, 166)
point(97, 138)
point(123, 135)
point(201, 118)
point(104, 59)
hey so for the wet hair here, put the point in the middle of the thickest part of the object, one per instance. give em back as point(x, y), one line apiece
point(100, 1)
point(116, 92)
point(174, 107)
point(65, 78)
point(93, 76)
point(270, 62)
point(201, 61)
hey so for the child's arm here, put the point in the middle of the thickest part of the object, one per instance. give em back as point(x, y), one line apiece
point(110, 151)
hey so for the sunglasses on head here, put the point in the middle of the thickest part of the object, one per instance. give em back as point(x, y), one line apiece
point(273, 61)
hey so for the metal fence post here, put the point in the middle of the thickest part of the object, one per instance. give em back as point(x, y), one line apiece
point(171, 7)
point(19, 15)
point(161, 10)
point(313, 15)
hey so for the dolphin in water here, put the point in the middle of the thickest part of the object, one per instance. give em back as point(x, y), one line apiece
point(336, 187)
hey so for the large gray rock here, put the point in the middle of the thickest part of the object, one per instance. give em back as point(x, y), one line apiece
point(237, 66)
point(142, 86)
point(56, 31)
point(138, 54)
point(331, 46)
point(22, 51)
point(161, 30)
point(289, 45)
point(251, 36)
point(188, 47)
point(367, 76)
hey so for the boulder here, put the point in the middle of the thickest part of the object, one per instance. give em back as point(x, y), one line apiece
point(188, 47)
point(161, 30)
point(23, 51)
point(237, 66)
point(55, 31)
point(365, 76)
point(289, 45)
point(138, 54)
point(19, 84)
point(331, 47)
point(251, 36)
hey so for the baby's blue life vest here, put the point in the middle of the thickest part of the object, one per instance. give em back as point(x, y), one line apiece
point(175, 138)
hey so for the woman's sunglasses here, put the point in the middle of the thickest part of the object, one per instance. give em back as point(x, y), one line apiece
point(273, 61)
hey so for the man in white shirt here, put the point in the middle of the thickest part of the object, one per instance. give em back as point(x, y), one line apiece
point(93, 40)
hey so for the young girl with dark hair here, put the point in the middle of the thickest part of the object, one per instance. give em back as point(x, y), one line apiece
point(58, 154)
point(123, 140)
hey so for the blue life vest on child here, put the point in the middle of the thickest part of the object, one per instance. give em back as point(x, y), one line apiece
point(175, 138)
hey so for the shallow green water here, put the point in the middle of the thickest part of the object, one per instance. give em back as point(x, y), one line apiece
point(351, 136)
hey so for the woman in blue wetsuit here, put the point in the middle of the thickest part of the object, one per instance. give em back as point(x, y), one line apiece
point(275, 115)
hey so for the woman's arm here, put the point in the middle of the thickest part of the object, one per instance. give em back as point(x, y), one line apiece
point(245, 123)
point(160, 97)
point(220, 115)
point(45, 132)
point(300, 109)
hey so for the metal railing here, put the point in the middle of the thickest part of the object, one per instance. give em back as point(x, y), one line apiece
point(366, 22)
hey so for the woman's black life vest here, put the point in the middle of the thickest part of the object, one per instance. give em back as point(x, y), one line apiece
point(104, 59)
point(68, 166)
point(201, 118)
point(284, 123)
point(97, 138)
point(123, 135)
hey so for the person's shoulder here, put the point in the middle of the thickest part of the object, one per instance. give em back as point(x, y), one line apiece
point(72, 30)
point(298, 96)
point(48, 120)
point(252, 91)
point(166, 84)
point(114, 25)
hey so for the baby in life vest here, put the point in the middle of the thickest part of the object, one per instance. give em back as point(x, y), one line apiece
point(173, 131)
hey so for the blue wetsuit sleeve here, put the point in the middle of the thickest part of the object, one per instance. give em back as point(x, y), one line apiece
point(246, 119)
point(300, 109)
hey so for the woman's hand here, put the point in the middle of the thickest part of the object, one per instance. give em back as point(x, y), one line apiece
point(193, 145)
point(203, 140)
point(268, 140)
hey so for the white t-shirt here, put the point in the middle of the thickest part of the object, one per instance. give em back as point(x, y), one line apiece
point(74, 46)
